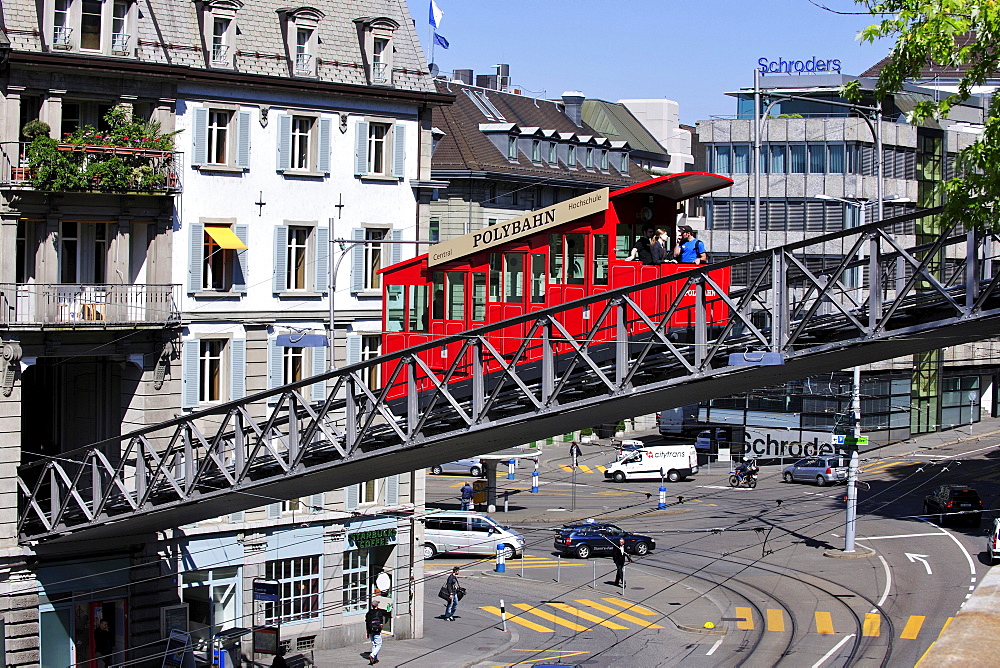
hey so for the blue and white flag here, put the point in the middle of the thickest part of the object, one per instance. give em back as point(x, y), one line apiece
point(441, 41)
point(436, 15)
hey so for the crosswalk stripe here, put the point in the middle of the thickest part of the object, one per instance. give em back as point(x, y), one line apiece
point(775, 619)
point(569, 609)
point(746, 621)
point(873, 625)
point(600, 468)
point(912, 627)
point(618, 613)
point(946, 623)
point(824, 623)
point(584, 468)
point(518, 620)
point(566, 468)
point(548, 565)
point(550, 617)
point(631, 607)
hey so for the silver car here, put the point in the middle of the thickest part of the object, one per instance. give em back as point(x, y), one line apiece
point(471, 466)
point(820, 470)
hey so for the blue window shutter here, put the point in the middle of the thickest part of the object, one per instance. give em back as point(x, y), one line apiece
point(395, 250)
point(353, 348)
point(392, 490)
point(399, 150)
point(361, 148)
point(316, 503)
point(237, 517)
point(242, 268)
point(317, 391)
point(279, 281)
point(199, 138)
point(321, 276)
point(238, 368)
point(357, 262)
point(275, 370)
point(284, 142)
point(273, 511)
point(243, 139)
point(196, 257)
point(189, 373)
point(323, 147)
point(351, 497)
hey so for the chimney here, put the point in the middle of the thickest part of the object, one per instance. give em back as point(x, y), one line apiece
point(573, 101)
point(487, 81)
point(465, 76)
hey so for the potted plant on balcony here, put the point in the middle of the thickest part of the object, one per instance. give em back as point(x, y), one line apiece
point(132, 155)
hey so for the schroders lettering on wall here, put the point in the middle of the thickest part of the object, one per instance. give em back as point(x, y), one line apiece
point(521, 226)
point(762, 444)
point(812, 65)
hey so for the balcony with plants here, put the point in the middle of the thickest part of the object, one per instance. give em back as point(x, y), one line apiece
point(130, 156)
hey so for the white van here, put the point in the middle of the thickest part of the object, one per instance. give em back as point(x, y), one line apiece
point(676, 462)
point(468, 532)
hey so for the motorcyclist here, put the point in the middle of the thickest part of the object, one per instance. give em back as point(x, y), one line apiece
point(747, 468)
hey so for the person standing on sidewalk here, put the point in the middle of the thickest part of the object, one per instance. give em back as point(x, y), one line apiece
point(620, 556)
point(575, 452)
point(452, 587)
point(374, 620)
point(466, 495)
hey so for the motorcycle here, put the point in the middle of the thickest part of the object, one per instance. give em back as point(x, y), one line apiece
point(746, 475)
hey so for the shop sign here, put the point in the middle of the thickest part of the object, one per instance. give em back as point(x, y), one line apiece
point(814, 64)
point(373, 538)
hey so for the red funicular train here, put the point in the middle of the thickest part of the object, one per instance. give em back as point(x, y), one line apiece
point(541, 259)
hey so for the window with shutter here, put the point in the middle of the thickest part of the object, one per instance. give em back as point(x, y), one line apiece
point(324, 145)
point(189, 374)
point(351, 497)
point(399, 150)
point(353, 342)
point(279, 281)
point(275, 369)
point(316, 503)
point(358, 261)
point(318, 390)
point(273, 511)
point(196, 259)
point(284, 142)
point(242, 269)
point(321, 267)
point(243, 140)
point(199, 150)
point(361, 148)
point(238, 369)
point(392, 490)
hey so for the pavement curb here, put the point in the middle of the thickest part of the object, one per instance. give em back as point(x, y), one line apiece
point(717, 631)
point(861, 552)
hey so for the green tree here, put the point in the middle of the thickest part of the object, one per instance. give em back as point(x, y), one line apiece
point(963, 35)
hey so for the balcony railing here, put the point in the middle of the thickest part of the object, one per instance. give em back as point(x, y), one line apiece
point(219, 54)
point(119, 43)
point(99, 305)
point(61, 37)
point(155, 171)
point(303, 63)
point(380, 73)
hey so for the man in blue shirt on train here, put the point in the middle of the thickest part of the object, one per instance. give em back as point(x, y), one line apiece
point(689, 249)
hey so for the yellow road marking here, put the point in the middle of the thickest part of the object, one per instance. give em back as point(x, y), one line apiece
point(548, 565)
point(924, 655)
point(912, 627)
point(567, 468)
point(824, 623)
point(873, 625)
point(518, 620)
point(570, 610)
point(631, 607)
point(746, 623)
point(618, 614)
point(457, 484)
point(550, 617)
point(584, 468)
point(946, 623)
point(600, 468)
point(775, 619)
point(557, 655)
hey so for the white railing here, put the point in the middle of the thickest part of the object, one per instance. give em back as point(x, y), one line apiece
point(219, 53)
point(88, 304)
point(119, 42)
point(61, 36)
point(303, 63)
point(380, 73)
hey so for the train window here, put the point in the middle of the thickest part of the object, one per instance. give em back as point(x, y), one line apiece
point(418, 308)
point(601, 257)
point(624, 238)
point(575, 259)
point(513, 277)
point(394, 308)
point(437, 306)
point(496, 269)
point(555, 258)
point(479, 297)
point(456, 295)
point(538, 278)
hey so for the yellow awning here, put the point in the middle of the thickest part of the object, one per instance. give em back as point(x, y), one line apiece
point(225, 237)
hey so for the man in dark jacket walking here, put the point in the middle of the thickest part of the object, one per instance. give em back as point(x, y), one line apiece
point(374, 620)
point(620, 557)
point(452, 587)
point(466, 495)
point(104, 641)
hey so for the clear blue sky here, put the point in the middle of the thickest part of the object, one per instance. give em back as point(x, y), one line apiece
point(691, 51)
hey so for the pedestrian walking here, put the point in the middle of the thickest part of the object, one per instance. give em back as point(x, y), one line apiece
point(374, 620)
point(620, 556)
point(466, 496)
point(104, 642)
point(575, 452)
point(455, 592)
point(279, 659)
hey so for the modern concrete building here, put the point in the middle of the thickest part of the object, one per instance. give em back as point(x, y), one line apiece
point(138, 283)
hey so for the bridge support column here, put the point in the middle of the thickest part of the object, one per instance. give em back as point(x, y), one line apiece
point(491, 484)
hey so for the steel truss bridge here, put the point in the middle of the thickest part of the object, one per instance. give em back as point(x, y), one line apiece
point(815, 306)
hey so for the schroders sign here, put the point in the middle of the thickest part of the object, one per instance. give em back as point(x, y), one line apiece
point(814, 64)
point(516, 228)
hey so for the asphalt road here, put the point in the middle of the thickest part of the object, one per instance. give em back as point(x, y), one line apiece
point(752, 562)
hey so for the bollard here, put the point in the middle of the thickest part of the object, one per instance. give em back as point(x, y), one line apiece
point(534, 479)
point(558, 567)
point(662, 505)
point(501, 566)
point(506, 500)
point(594, 584)
point(510, 468)
point(503, 616)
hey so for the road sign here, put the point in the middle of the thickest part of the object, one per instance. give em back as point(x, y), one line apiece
point(266, 591)
point(851, 440)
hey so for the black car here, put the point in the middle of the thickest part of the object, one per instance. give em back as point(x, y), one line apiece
point(599, 538)
point(954, 499)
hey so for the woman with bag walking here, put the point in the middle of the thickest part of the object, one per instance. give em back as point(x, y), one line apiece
point(455, 592)
point(374, 620)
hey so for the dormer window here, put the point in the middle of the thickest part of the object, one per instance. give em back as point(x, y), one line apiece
point(604, 160)
point(512, 148)
point(536, 150)
point(62, 31)
point(220, 41)
point(571, 156)
point(553, 153)
point(220, 20)
point(303, 59)
point(100, 26)
point(589, 159)
point(375, 35)
point(623, 167)
point(301, 26)
point(120, 36)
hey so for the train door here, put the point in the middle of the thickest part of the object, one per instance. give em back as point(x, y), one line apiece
point(449, 309)
point(506, 297)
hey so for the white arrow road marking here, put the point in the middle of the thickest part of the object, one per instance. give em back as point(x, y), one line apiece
point(922, 558)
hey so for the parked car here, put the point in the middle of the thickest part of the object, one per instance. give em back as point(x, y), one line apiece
point(959, 500)
point(821, 470)
point(993, 541)
point(469, 532)
point(471, 466)
point(599, 538)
